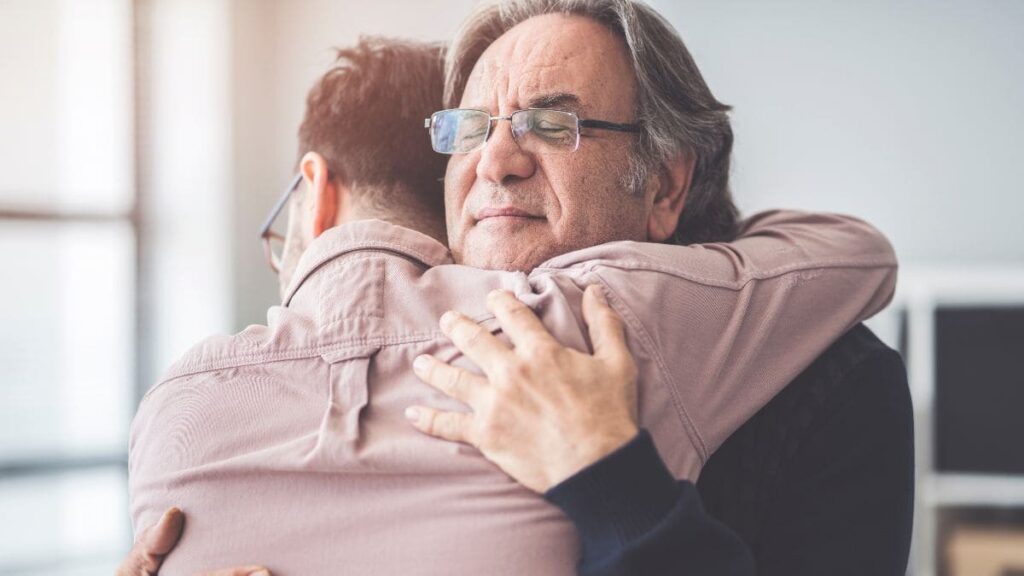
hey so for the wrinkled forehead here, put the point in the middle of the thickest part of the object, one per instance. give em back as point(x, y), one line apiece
point(549, 55)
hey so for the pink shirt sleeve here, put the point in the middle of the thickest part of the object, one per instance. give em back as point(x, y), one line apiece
point(724, 327)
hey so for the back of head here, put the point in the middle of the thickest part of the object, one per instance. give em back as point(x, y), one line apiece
point(365, 117)
point(677, 110)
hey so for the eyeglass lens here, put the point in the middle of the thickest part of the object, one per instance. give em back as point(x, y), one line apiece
point(538, 131)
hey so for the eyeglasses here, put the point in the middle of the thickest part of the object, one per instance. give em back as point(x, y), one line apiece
point(268, 236)
point(536, 130)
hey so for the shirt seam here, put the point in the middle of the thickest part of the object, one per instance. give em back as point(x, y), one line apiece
point(395, 250)
point(645, 340)
point(739, 284)
point(249, 359)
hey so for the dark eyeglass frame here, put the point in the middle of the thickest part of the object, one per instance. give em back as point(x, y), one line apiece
point(634, 128)
point(266, 234)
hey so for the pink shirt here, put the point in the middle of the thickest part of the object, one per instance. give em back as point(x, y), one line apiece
point(286, 444)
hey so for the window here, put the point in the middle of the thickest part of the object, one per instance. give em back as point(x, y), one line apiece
point(68, 244)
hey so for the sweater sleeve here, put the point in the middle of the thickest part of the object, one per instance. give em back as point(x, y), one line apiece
point(634, 518)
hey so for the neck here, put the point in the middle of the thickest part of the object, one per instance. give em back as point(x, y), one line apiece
point(420, 221)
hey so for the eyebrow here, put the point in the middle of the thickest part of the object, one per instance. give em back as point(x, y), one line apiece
point(556, 100)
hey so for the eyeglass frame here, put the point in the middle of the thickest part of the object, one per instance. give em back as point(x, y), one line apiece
point(580, 123)
point(266, 234)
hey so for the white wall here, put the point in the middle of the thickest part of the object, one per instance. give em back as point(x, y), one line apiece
point(908, 113)
point(185, 175)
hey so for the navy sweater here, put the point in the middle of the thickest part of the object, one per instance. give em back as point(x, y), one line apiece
point(820, 481)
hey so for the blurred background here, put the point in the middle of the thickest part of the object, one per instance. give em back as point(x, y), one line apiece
point(142, 143)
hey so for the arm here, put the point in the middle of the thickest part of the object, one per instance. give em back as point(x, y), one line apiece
point(724, 327)
point(759, 279)
point(562, 422)
point(633, 517)
point(836, 498)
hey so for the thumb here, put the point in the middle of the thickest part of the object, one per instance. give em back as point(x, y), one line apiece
point(146, 556)
point(160, 538)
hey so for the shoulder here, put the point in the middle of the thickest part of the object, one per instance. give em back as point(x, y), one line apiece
point(855, 356)
point(779, 244)
point(848, 389)
point(846, 415)
point(702, 264)
point(854, 398)
point(214, 414)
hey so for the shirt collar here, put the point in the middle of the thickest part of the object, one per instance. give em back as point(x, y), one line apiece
point(366, 235)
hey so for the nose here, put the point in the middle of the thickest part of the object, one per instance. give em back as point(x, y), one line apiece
point(502, 160)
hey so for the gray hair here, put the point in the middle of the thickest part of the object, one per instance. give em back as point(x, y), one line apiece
point(674, 104)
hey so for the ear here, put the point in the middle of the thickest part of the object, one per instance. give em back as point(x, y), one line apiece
point(325, 192)
point(673, 185)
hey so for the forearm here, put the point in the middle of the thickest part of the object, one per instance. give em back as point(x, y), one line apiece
point(729, 325)
point(633, 517)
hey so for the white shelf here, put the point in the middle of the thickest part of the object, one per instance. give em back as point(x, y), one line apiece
point(967, 285)
point(920, 291)
point(948, 489)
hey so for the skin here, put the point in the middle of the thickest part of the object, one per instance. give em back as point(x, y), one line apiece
point(538, 398)
point(157, 541)
point(574, 200)
point(541, 412)
point(322, 203)
point(325, 202)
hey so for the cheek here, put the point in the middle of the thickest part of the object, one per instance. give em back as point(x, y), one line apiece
point(458, 180)
point(567, 181)
point(595, 206)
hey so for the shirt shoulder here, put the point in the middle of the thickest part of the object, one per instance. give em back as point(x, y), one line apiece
point(770, 244)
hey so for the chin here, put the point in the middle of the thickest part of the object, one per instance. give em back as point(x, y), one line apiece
point(513, 251)
point(497, 262)
point(509, 261)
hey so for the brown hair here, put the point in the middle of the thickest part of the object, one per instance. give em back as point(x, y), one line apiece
point(365, 117)
point(677, 110)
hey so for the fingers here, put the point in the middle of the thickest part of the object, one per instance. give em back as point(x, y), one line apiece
point(451, 426)
point(517, 320)
point(241, 571)
point(160, 538)
point(138, 563)
point(460, 384)
point(607, 333)
point(473, 340)
point(153, 544)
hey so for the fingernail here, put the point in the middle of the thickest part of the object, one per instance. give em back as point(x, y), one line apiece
point(167, 516)
point(421, 363)
point(599, 294)
point(412, 414)
point(259, 573)
point(446, 319)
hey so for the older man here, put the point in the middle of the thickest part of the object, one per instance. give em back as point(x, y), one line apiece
point(529, 191)
point(830, 495)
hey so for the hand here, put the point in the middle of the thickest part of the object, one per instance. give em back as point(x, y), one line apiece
point(543, 411)
point(157, 541)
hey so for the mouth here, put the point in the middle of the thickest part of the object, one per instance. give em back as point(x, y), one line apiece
point(503, 212)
